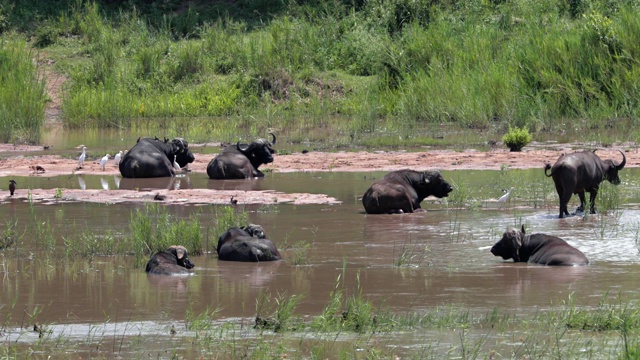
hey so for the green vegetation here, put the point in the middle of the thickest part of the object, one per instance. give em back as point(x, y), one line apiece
point(353, 70)
point(516, 138)
point(22, 93)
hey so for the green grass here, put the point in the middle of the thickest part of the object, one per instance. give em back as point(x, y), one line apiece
point(387, 68)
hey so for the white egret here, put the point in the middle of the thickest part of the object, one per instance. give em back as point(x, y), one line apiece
point(103, 162)
point(505, 197)
point(82, 157)
point(116, 159)
point(175, 164)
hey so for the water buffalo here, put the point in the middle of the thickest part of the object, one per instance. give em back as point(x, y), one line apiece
point(241, 161)
point(582, 171)
point(150, 158)
point(537, 248)
point(173, 261)
point(246, 244)
point(402, 191)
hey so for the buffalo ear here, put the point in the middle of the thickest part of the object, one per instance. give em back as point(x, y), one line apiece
point(424, 179)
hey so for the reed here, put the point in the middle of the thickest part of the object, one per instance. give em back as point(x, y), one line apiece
point(22, 93)
point(388, 67)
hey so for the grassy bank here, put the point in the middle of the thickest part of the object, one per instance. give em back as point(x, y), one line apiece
point(377, 67)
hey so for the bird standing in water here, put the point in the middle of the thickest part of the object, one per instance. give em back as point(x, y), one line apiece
point(103, 162)
point(12, 186)
point(116, 159)
point(176, 165)
point(82, 157)
point(505, 197)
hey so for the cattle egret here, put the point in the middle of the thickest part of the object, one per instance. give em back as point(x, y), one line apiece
point(82, 157)
point(116, 159)
point(103, 162)
point(505, 197)
point(12, 186)
point(175, 164)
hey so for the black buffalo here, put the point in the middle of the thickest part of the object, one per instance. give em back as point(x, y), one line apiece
point(248, 244)
point(150, 158)
point(402, 191)
point(582, 171)
point(173, 261)
point(241, 161)
point(538, 249)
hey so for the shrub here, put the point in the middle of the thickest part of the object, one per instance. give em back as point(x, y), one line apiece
point(516, 138)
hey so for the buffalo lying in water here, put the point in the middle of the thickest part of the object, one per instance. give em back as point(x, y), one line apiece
point(248, 244)
point(150, 158)
point(241, 161)
point(173, 261)
point(537, 248)
point(402, 191)
point(582, 171)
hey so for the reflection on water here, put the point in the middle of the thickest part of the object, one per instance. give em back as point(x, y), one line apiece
point(446, 251)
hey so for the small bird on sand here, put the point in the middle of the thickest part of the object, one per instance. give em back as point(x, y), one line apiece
point(175, 164)
point(103, 162)
point(233, 201)
point(116, 159)
point(82, 157)
point(12, 186)
point(159, 197)
point(505, 197)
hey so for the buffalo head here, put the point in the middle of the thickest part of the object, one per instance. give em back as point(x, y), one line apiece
point(259, 152)
point(182, 152)
point(255, 231)
point(508, 247)
point(611, 169)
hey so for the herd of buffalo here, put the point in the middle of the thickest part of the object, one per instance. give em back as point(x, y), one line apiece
point(397, 192)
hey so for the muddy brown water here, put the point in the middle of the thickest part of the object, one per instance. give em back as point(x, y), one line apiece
point(447, 247)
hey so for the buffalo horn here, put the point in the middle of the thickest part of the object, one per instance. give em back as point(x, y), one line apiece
point(623, 163)
point(274, 138)
point(240, 147)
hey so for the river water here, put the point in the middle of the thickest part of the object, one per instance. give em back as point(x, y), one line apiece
point(446, 255)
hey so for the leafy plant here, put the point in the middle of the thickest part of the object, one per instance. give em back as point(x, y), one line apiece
point(516, 138)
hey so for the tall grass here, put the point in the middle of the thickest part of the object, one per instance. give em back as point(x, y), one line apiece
point(396, 65)
point(22, 93)
point(154, 229)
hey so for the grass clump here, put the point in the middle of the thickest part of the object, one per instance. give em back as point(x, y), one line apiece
point(516, 138)
point(154, 229)
point(22, 93)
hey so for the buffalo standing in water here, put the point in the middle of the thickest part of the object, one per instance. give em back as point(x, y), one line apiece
point(248, 244)
point(582, 171)
point(173, 261)
point(241, 161)
point(537, 248)
point(402, 191)
point(150, 158)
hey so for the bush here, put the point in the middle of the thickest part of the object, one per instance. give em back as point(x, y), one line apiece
point(516, 138)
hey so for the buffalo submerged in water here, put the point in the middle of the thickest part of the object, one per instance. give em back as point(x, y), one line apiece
point(537, 248)
point(152, 157)
point(402, 191)
point(581, 172)
point(249, 244)
point(173, 261)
